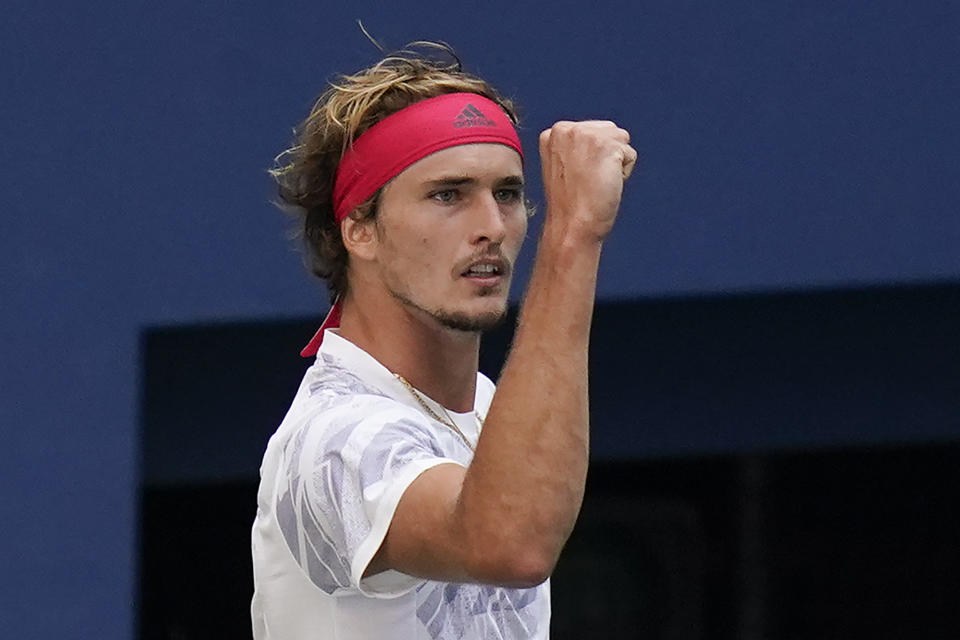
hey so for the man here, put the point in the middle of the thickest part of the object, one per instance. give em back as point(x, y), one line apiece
point(401, 497)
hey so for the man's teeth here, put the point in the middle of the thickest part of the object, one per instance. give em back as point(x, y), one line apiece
point(483, 269)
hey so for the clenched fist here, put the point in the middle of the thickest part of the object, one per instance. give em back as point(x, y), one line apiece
point(584, 167)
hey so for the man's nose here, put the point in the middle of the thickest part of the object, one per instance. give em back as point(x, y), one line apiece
point(490, 223)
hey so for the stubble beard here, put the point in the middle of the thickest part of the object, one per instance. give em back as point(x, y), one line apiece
point(458, 320)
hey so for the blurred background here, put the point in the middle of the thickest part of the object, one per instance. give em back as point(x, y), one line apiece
point(775, 369)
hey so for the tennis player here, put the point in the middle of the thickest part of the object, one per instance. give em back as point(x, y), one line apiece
point(403, 495)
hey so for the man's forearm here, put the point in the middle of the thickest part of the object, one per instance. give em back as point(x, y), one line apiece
point(522, 493)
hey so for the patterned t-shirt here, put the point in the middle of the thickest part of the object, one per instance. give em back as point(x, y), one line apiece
point(333, 473)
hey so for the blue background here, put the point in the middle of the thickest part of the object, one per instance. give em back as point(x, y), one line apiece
point(784, 146)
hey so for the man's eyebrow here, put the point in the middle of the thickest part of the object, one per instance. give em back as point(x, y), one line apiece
point(450, 181)
point(511, 181)
point(456, 181)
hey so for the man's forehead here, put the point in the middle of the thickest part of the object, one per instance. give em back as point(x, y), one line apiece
point(483, 161)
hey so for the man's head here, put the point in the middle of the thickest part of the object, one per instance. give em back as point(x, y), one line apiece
point(307, 172)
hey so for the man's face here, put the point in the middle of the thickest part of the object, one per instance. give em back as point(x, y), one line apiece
point(449, 229)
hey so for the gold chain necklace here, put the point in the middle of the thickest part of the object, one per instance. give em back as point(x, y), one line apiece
point(433, 414)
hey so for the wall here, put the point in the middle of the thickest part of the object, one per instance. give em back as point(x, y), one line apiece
point(783, 147)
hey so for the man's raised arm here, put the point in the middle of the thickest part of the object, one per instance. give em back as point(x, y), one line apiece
point(505, 519)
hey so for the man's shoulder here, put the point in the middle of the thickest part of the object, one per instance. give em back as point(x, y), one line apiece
point(338, 409)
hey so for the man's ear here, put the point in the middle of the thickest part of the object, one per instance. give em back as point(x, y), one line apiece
point(360, 237)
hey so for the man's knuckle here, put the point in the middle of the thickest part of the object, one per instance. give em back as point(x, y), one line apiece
point(565, 128)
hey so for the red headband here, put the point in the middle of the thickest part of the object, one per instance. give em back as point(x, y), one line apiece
point(399, 140)
point(413, 133)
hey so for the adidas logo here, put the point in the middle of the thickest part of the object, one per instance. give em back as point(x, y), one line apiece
point(472, 117)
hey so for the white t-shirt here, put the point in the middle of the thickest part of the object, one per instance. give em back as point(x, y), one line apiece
point(352, 442)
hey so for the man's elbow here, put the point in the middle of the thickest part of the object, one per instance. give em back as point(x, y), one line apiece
point(529, 574)
point(522, 569)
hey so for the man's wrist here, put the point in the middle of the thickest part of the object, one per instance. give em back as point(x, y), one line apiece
point(569, 232)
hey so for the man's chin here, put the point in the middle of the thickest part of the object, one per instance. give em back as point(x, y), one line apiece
point(470, 322)
point(476, 321)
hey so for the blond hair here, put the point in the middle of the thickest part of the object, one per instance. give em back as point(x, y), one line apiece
point(305, 172)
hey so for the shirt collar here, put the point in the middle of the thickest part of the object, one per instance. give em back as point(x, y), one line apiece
point(360, 362)
point(372, 371)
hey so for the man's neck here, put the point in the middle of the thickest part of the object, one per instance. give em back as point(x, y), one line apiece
point(440, 362)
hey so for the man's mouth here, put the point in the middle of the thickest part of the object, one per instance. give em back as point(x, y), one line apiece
point(483, 270)
point(487, 271)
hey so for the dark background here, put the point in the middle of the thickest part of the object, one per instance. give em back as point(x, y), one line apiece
point(720, 502)
point(780, 290)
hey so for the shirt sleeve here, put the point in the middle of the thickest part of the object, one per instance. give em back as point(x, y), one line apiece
point(345, 472)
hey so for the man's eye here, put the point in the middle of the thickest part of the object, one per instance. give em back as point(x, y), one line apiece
point(447, 195)
point(508, 195)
